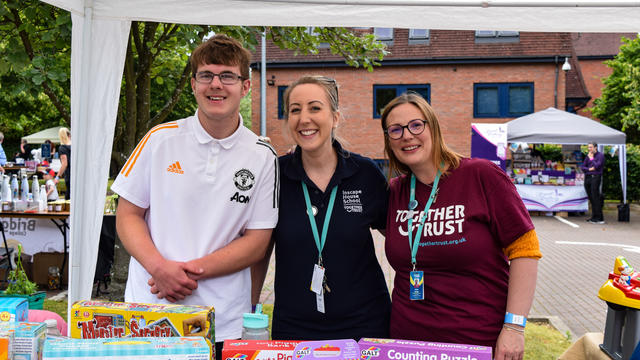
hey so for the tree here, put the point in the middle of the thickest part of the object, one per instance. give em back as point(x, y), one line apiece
point(155, 86)
point(619, 105)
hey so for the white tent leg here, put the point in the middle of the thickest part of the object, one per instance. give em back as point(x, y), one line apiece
point(97, 62)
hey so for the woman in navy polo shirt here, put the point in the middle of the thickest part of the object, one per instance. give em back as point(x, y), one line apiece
point(328, 283)
point(459, 238)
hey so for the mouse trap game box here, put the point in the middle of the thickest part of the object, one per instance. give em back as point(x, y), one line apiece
point(105, 319)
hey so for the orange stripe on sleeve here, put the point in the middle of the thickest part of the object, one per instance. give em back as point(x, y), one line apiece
point(178, 165)
point(136, 152)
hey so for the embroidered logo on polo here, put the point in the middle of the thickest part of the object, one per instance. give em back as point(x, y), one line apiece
point(351, 200)
point(175, 168)
point(243, 180)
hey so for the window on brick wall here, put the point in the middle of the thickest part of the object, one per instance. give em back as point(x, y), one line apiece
point(502, 100)
point(382, 94)
point(314, 32)
point(489, 36)
point(383, 34)
point(281, 90)
point(418, 36)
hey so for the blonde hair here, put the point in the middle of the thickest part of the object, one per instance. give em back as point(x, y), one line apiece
point(65, 136)
point(440, 152)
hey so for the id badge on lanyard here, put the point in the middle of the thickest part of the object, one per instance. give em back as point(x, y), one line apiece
point(416, 277)
point(318, 279)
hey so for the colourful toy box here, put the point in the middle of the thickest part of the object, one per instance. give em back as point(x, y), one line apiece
point(258, 349)
point(6, 344)
point(104, 319)
point(389, 349)
point(14, 309)
point(27, 339)
point(153, 348)
point(346, 349)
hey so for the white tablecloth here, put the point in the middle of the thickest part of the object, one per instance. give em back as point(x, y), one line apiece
point(553, 198)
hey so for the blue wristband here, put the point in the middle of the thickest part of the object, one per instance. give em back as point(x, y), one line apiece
point(514, 319)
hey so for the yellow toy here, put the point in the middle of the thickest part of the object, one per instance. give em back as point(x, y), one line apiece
point(623, 285)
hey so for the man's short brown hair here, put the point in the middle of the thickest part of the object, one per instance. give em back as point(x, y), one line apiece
point(223, 50)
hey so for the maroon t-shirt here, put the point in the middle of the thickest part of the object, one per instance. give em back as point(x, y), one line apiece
point(476, 214)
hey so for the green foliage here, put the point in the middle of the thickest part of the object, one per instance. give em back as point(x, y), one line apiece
point(58, 307)
point(35, 50)
point(19, 284)
point(35, 46)
point(550, 151)
point(245, 110)
point(611, 175)
point(542, 341)
point(619, 105)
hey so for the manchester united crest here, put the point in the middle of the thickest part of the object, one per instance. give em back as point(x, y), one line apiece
point(244, 179)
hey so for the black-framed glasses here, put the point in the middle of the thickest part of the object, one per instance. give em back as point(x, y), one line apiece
point(415, 127)
point(227, 78)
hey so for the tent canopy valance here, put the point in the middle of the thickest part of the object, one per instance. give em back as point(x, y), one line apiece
point(99, 42)
point(46, 134)
point(553, 126)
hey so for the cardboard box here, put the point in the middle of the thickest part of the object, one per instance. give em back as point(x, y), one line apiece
point(175, 348)
point(258, 349)
point(389, 349)
point(13, 309)
point(6, 343)
point(346, 349)
point(27, 338)
point(41, 263)
point(104, 319)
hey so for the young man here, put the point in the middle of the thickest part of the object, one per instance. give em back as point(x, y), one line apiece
point(592, 168)
point(198, 197)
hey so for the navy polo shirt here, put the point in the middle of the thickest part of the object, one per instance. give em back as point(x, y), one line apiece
point(358, 304)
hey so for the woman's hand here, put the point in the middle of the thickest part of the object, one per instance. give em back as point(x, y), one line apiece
point(510, 344)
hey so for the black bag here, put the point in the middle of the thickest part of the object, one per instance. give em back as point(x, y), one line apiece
point(623, 212)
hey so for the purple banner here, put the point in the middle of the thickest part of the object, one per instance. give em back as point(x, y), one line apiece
point(489, 141)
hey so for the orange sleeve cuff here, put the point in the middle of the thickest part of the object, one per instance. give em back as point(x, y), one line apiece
point(526, 245)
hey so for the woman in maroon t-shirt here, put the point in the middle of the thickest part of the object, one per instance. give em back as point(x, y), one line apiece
point(472, 252)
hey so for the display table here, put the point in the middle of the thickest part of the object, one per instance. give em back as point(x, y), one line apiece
point(58, 218)
point(553, 197)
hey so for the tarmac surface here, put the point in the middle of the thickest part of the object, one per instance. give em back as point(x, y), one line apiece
point(577, 258)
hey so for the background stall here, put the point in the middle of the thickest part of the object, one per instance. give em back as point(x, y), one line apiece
point(553, 126)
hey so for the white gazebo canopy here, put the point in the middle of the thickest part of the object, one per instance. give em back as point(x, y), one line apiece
point(99, 42)
point(46, 134)
point(553, 126)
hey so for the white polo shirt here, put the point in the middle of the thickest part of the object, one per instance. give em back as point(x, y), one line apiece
point(201, 194)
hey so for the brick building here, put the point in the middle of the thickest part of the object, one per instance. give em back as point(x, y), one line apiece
point(467, 76)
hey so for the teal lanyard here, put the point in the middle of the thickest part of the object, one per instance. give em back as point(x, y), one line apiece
point(414, 245)
point(327, 217)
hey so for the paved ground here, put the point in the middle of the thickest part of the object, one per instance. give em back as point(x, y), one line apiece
point(577, 258)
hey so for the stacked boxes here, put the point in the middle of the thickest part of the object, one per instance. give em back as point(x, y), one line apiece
point(26, 340)
point(103, 319)
point(14, 309)
point(258, 349)
point(173, 348)
point(388, 349)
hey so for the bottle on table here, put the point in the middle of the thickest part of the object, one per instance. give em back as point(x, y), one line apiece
point(15, 189)
point(255, 326)
point(25, 188)
point(35, 188)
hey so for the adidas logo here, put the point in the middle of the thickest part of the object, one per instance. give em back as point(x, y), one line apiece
point(175, 168)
